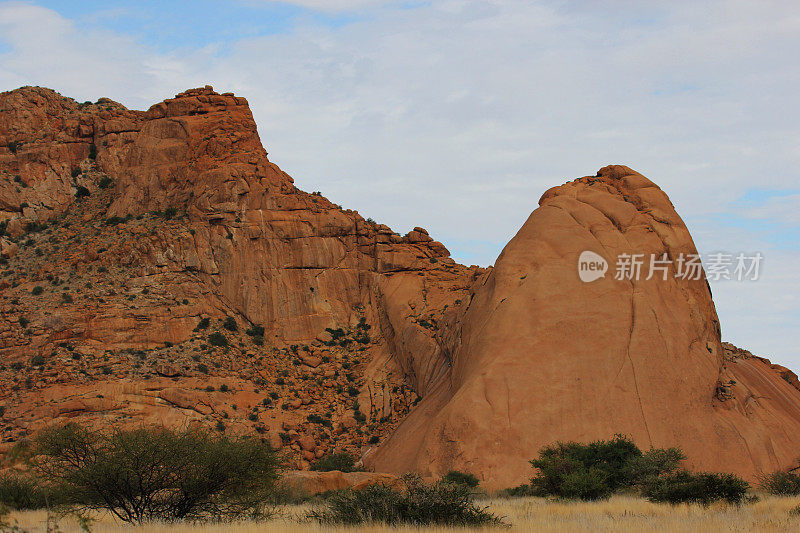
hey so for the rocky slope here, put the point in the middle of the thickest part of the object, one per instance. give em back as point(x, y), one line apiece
point(157, 267)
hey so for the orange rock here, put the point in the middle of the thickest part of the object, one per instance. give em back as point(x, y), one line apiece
point(320, 482)
point(505, 359)
point(307, 443)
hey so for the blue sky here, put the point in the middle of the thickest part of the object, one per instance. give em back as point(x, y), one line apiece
point(168, 26)
point(456, 115)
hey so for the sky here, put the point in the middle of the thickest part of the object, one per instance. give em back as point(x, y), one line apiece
point(456, 115)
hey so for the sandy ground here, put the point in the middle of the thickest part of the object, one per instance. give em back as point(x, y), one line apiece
point(620, 513)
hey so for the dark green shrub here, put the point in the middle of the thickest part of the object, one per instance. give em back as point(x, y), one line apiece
point(75, 172)
point(105, 182)
point(655, 462)
point(23, 492)
point(586, 484)
point(230, 324)
point(440, 504)
point(585, 471)
point(204, 323)
point(37, 360)
point(92, 151)
point(82, 192)
point(217, 339)
point(14, 146)
point(158, 474)
point(202, 368)
point(782, 483)
point(37, 290)
point(702, 487)
point(343, 462)
point(461, 478)
point(256, 331)
point(170, 212)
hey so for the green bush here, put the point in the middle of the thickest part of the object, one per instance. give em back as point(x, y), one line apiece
point(82, 192)
point(158, 474)
point(655, 462)
point(230, 324)
point(105, 182)
point(690, 487)
point(782, 483)
point(204, 323)
point(256, 331)
point(461, 478)
point(217, 339)
point(585, 471)
point(441, 504)
point(344, 462)
point(23, 492)
point(37, 290)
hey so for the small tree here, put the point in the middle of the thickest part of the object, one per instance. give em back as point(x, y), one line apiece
point(158, 474)
point(584, 471)
point(344, 462)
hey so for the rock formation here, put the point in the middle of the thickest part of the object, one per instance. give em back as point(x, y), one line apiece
point(158, 267)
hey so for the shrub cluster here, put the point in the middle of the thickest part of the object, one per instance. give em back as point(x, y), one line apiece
point(781, 483)
point(343, 462)
point(702, 487)
point(594, 471)
point(442, 504)
point(24, 492)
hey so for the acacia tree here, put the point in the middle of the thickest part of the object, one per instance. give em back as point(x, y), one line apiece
point(158, 474)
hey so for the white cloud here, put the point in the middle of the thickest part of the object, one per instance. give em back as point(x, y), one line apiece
point(457, 115)
point(338, 5)
point(781, 209)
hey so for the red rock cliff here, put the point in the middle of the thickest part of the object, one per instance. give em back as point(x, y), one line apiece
point(141, 227)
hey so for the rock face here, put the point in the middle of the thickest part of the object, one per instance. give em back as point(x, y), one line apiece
point(312, 483)
point(159, 268)
point(539, 355)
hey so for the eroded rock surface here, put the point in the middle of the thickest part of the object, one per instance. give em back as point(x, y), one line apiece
point(158, 268)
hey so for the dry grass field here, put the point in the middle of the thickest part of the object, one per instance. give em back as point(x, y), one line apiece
point(620, 513)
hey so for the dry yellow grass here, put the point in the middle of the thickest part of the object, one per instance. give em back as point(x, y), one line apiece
point(619, 514)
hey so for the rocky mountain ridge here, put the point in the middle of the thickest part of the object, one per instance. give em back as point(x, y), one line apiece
point(158, 268)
